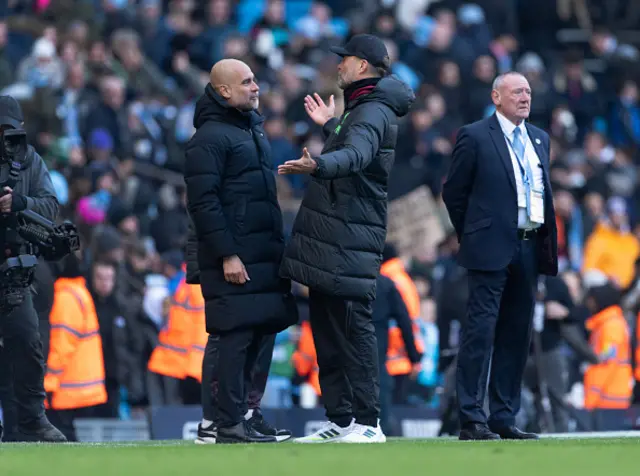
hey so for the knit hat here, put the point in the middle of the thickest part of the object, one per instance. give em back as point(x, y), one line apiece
point(100, 139)
point(92, 209)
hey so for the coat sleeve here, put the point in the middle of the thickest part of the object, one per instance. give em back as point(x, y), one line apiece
point(203, 176)
point(329, 126)
point(67, 319)
point(401, 315)
point(41, 197)
point(361, 144)
point(457, 188)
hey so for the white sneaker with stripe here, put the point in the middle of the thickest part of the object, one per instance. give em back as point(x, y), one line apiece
point(206, 434)
point(329, 433)
point(364, 434)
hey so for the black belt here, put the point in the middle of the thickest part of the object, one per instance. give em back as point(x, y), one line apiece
point(527, 234)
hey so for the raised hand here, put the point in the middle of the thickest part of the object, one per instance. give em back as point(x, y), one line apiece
point(318, 111)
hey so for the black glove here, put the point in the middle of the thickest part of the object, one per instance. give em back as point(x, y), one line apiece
point(18, 202)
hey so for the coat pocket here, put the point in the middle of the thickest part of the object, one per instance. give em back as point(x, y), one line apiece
point(477, 225)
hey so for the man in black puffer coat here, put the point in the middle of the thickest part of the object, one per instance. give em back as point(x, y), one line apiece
point(339, 234)
point(207, 431)
point(231, 195)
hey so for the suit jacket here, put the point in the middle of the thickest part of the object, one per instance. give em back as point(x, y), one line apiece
point(481, 198)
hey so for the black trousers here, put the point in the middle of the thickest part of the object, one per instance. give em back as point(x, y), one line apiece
point(386, 381)
point(499, 317)
point(22, 366)
point(346, 346)
point(254, 387)
point(236, 367)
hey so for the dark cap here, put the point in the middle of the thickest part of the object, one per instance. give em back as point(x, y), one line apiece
point(10, 112)
point(366, 47)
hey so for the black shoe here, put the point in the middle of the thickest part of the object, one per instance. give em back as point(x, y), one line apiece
point(43, 432)
point(477, 431)
point(243, 432)
point(513, 433)
point(261, 425)
point(206, 434)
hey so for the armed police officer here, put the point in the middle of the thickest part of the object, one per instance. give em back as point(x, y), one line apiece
point(25, 184)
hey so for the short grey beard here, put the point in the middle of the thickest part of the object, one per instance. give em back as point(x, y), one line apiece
point(342, 84)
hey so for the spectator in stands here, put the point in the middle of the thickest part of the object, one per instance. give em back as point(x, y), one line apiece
point(612, 249)
point(120, 341)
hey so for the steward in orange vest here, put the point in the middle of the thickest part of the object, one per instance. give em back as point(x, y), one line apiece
point(637, 359)
point(305, 359)
point(181, 342)
point(398, 362)
point(75, 368)
point(609, 384)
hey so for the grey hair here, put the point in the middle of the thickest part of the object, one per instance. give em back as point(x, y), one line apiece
point(501, 77)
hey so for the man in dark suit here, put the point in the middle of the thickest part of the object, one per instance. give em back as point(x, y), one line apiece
point(499, 200)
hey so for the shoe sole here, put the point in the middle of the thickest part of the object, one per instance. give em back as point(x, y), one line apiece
point(470, 438)
point(240, 442)
point(207, 440)
point(316, 442)
point(282, 438)
point(382, 439)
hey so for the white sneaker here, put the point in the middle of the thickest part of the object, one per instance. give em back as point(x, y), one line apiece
point(206, 435)
point(329, 433)
point(364, 434)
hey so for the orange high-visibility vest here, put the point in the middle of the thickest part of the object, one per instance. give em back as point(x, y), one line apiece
point(199, 333)
point(305, 359)
point(172, 355)
point(609, 384)
point(637, 373)
point(75, 366)
point(397, 361)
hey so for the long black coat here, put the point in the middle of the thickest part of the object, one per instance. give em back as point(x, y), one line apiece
point(231, 195)
point(339, 233)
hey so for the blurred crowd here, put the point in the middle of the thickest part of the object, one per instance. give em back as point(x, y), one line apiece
point(108, 89)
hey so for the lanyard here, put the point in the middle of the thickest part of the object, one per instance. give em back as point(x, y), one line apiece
point(523, 170)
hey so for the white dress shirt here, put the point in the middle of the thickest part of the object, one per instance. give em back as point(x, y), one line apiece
point(530, 156)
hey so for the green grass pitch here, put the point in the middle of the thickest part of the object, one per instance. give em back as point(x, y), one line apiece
point(446, 457)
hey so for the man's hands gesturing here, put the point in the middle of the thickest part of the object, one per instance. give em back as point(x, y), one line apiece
point(234, 270)
point(304, 165)
point(318, 111)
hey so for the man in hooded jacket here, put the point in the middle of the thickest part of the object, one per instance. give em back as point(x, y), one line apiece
point(339, 235)
point(232, 201)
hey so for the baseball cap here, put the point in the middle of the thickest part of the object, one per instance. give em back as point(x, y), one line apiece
point(367, 47)
point(10, 112)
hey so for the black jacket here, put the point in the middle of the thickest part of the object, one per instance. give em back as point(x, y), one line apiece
point(231, 195)
point(35, 185)
point(339, 233)
point(191, 256)
point(389, 306)
point(121, 344)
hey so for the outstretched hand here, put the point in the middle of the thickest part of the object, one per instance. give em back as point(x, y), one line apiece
point(304, 165)
point(318, 111)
